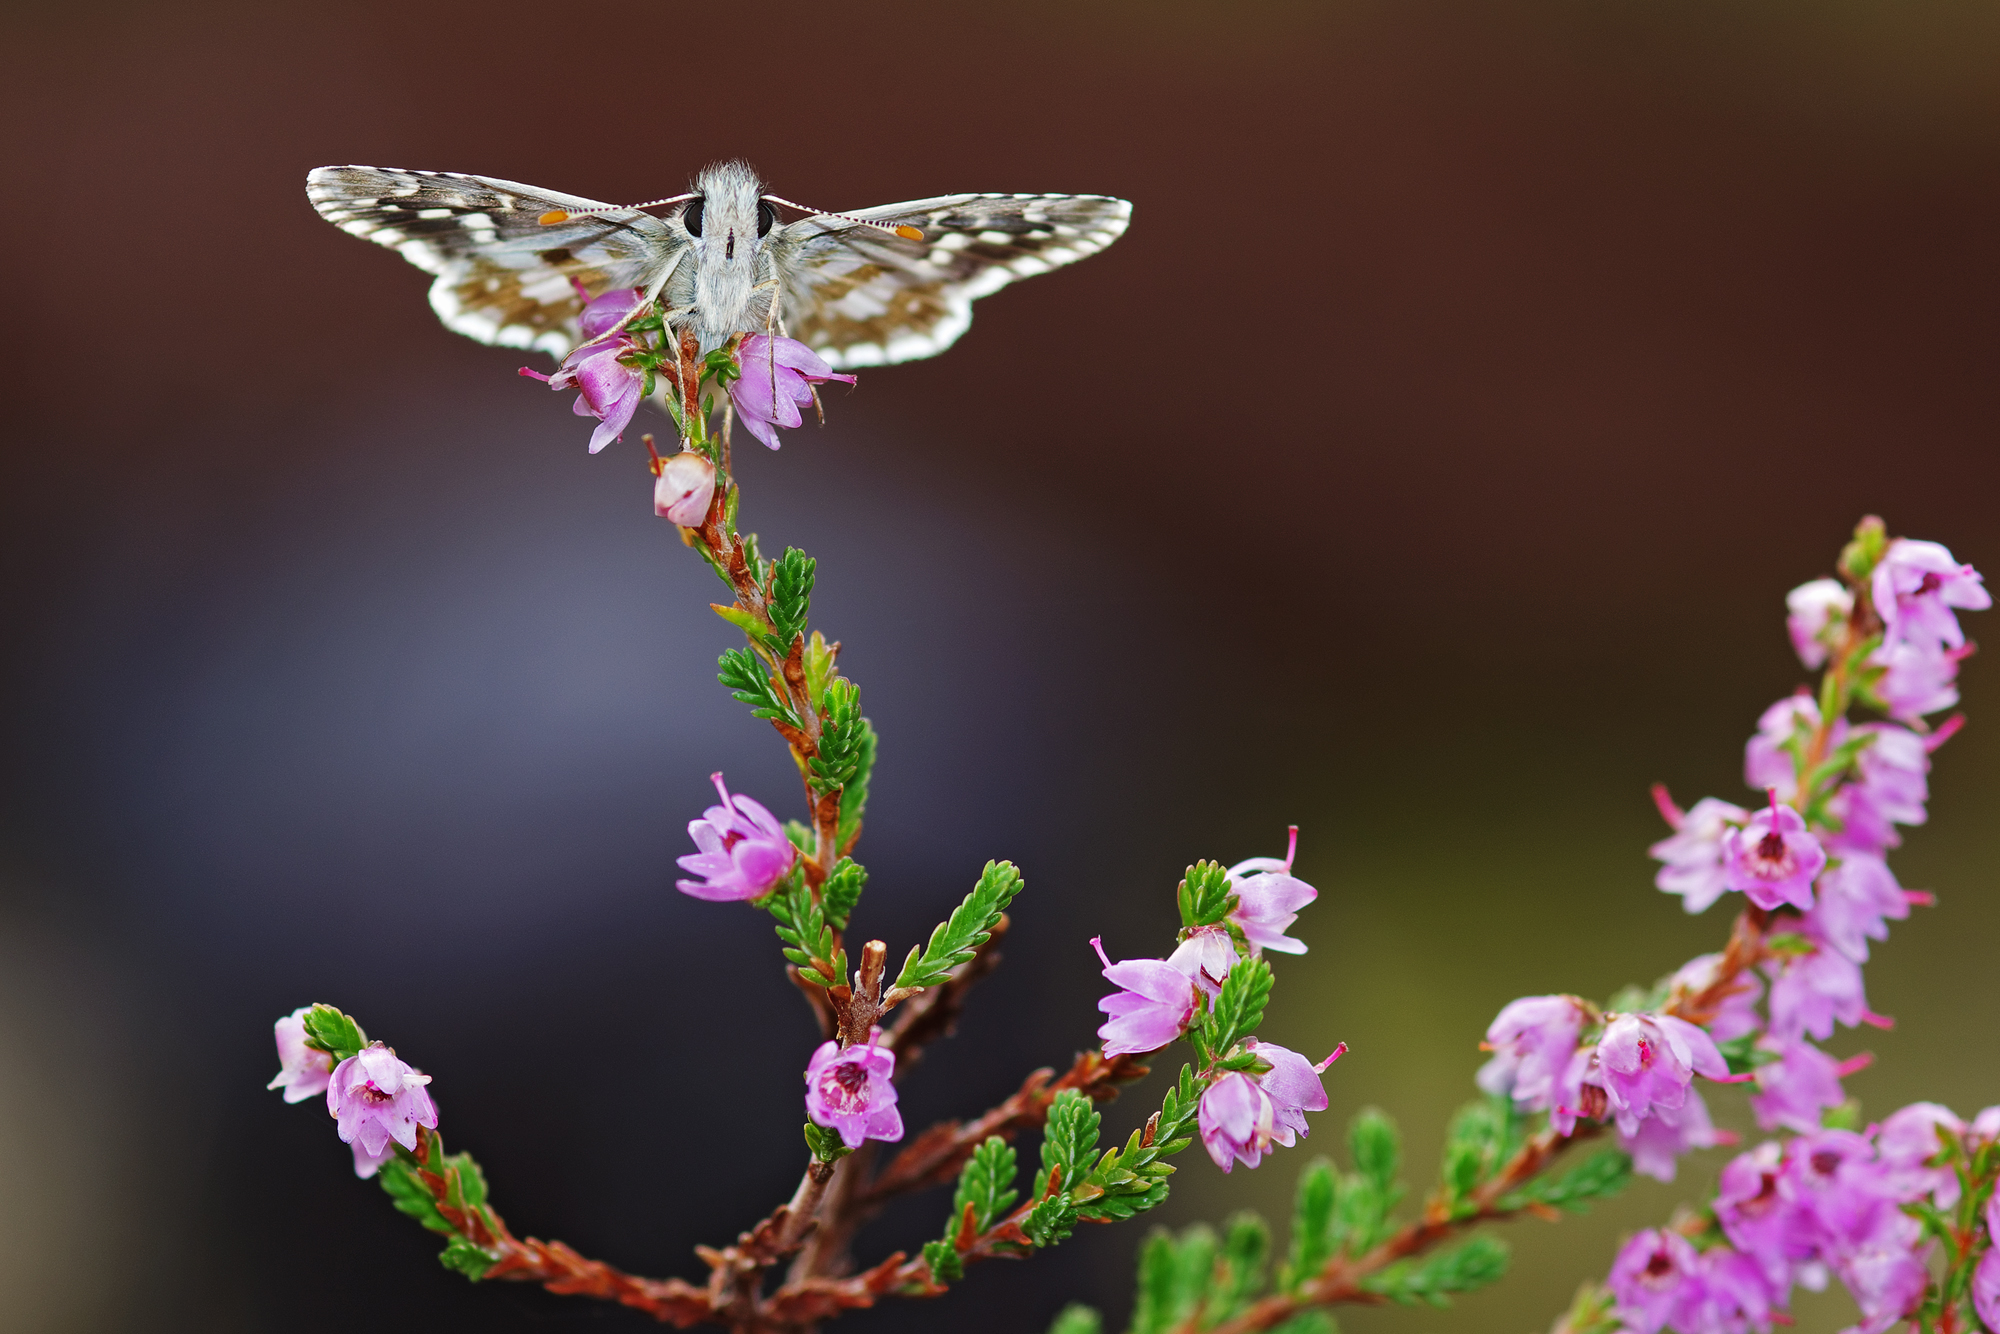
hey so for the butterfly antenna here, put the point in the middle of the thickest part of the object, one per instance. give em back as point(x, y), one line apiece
point(902, 229)
point(560, 215)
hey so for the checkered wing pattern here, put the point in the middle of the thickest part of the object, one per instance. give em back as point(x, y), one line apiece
point(502, 277)
point(863, 297)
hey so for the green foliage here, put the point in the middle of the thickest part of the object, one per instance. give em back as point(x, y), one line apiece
point(1068, 1140)
point(789, 599)
point(1314, 1235)
point(843, 735)
point(334, 1033)
point(1859, 557)
point(1593, 1311)
point(1163, 1302)
point(1744, 1055)
point(987, 1184)
point(1362, 1208)
point(1483, 1135)
point(968, 927)
point(1205, 896)
point(1051, 1221)
point(467, 1259)
point(1131, 1179)
point(826, 1145)
point(1239, 1277)
point(800, 922)
point(854, 794)
point(842, 891)
point(1597, 1177)
point(1313, 1320)
point(1432, 1280)
point(1239, 1006)
point(744, 673)
point(411, 1196)
point(943, 1259)
point(1076, 1318)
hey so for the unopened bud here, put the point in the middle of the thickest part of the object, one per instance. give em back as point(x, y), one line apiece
point(687, 483)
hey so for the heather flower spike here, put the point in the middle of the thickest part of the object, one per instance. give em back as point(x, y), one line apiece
point(743, 853)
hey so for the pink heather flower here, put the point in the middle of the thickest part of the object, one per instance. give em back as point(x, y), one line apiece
point(1803, 1082)
point(1736, 1294)
point(1151, 1011)
point(776, 379)
point(302, 1071)
point(1242, 1115)
point(367, 1164)
point(1660, 1140)
point(1532, 1041)
point(1755, 1206)
point(1773, 858)
point(1268, 900)
point(744, 851)
point(1842, 1191)
point(1915, 587)
point(375, 1098)
point(1656, 1279)
point(609, 390)
point(1809, 992)
point(1904, 1146)
point(1645, 1063)
point(1855, 897)
point(1917, 681)
point(1885, 1275)
point(1206, 957)
point(1893, 768)
point(1985, 1125)
point(1986, 1287)
point(1812, 608)
point(1693, 856)
point(686, 484)
point(1293, 1085)
point(1737, 1013)
point(849, 1091)
point(1767, 764)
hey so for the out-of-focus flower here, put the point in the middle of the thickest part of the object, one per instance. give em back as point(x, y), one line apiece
point(1985, 1125)
point(777, 377)
point(1804, 1081)
point(1693, 855)
point(1855, 897)
point(374, 1098)
point(850, 1091)
point(686, 485)
point(1917, 681)
point(743, 850)
point(1904, 1146)
point(1915, 587)
point(1773, 858)
point(1842, 1191)
point(1736, 1014)
point(1809, 992)
point(1736, 1294)
point(1767, 763)
point(1236, 1119)
point(1885, 1275)
point(1532, 1041)
point(1268, 900)
point(1890, 788)
point(608, 389)
point(1760, 1217)
point(1206, 956)
point(1986, 1278)
point(1812, 608)
point(1293, 1086)
point(1152, 1009)
point(302, 1071)
point(1645, 1063)
point(1656, 1279)
point(1660, 1140)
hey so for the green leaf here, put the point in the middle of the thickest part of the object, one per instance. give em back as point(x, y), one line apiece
point(1594, 1310)
point(1239, 1007)
point(1366, 1197)
point(956, 938)
point(1377, 1149)
point(1205, 895)
point(854, 795)
point(1246, 1249)
point(411, 1195)
point(987, 1184)
point(842, 737)
point(1076, 1318)
point(800, 922)
point(1859, 557)
point(1314, 1239)
point(1847, 1116)
point(1314, 1320)
point(1069, 1140)
point(1050, 1221)
point(743, 620)
point(749, 681)
point(467, 1259)
point(842, 891)
point(1744, 1055)
point(1597, 1177)
point(1154, 1309)
point(1482, 1137)
point(334, 1033)
point(790, 599)
point(818, 663)
point(826, 1145)
point(1481, 1261)
point(944, 1262)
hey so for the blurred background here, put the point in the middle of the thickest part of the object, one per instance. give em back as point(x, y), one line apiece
point(1426, 467)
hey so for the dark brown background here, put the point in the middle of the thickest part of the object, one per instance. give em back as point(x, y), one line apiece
point(1426, 467)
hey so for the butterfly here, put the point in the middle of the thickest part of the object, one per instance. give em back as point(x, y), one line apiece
point(514, 263)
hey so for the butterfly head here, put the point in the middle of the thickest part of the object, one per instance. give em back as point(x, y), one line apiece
point(728, 216)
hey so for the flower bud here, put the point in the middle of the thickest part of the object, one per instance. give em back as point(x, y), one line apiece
point(687, 483)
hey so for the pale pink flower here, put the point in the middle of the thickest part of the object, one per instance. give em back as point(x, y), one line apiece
point(376, 1098)
point(1803, 1082)
point(1532, 1040)
point(1915, 587)
point(1773, 858)
point(1857, 897)
point(1917, 681)
point(302, 1071)
point(1986, 1287)
point(777, 377)
point(1810, 991)
point(608, 389)
point(1268, 900)
point(1656, 1279)
point(1737, 1012)
point(1904, 1146)
point(1755, 1206)
point(850, 1091)
point(1293, 1085)
point(1206, 956)
point(1151, 1010)
point(1237, 1120)
point(1885, 1275)
point(1812, 609)
point(684, 488)
point(1767, 763)
point(743, 850)
point(1646, 1062)
point(1660, 1140)
point(1693, 855)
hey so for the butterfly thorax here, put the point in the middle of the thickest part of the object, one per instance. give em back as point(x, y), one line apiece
point(734, 276)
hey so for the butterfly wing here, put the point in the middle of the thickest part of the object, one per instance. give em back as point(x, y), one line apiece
point(863, 297)
point(502, 277)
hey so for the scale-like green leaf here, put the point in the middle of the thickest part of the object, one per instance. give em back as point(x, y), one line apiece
point(1069, 1140)
point(957, 937)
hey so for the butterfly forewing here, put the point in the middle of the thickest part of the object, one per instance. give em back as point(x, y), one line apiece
point(863, 297)
point(502, 277)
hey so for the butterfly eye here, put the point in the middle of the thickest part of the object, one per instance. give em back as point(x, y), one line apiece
point(691, 217)
point(767, 217)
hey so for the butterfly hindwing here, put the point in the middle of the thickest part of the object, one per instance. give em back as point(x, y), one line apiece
point(502, 277)
point(863, 297)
